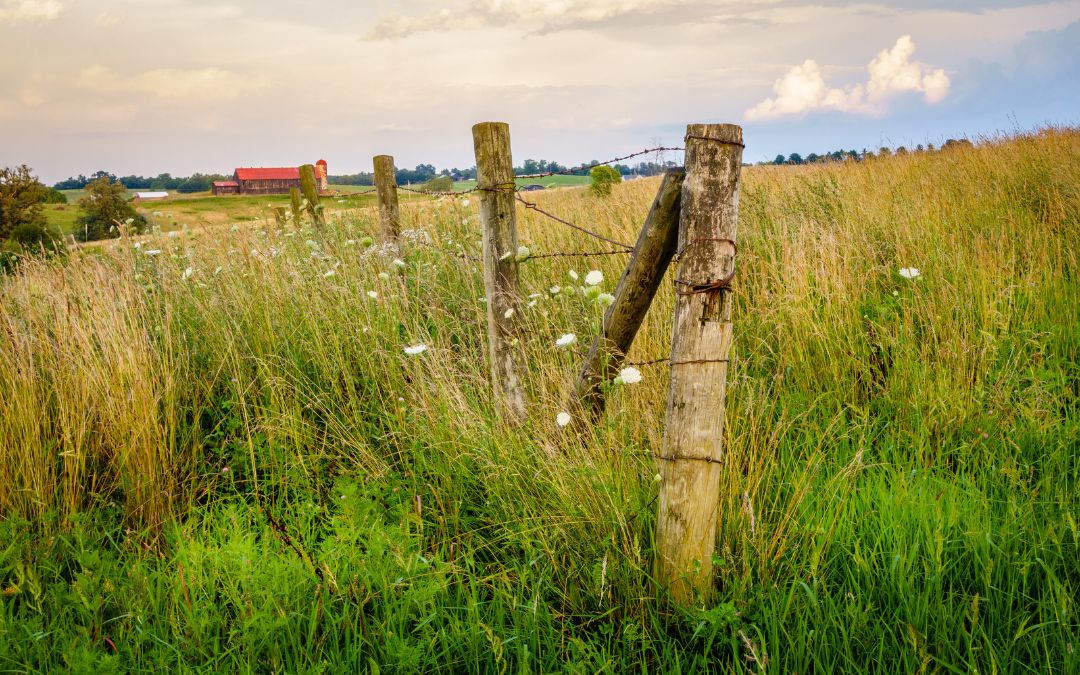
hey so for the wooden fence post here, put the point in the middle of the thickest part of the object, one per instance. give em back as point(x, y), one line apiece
point(311, 194)
point(692, 448)
point(294, 202)
point(495, 183)
point(387, 194)
point(638, 285)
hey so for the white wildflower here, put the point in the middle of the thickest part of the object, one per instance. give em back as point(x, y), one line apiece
point(573, 275)
point(417, 349)
point(508, 313)
point(629, 375)
point(188, 272)
point(594, 278)
point(384, 276)
point(373, 295)
point(566, 340)
point(329, 273)
point(523, 253)
point(152, 251)
point(562, 419)
point(398, 262)
point(605, 299)
point(464, 202)
point(555, 290)
point(910, 272)
point(506, 256)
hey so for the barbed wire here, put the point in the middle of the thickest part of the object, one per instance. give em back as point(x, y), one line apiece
point(586, 167)
point(534, 207)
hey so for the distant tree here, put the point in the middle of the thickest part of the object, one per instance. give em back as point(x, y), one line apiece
point(813, 157)
point(780, 159)
point(884, 152)
point(795, 158)
point(603, 177)
point(105, 210)
point(901, 150)
point(953, 143)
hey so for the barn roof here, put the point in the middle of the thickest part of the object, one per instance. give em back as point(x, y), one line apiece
point(286, 173)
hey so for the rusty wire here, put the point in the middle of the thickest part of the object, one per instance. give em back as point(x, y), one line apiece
point(533, 206)
point(586, 167)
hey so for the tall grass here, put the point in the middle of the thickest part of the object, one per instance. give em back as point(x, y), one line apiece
point(901, 489)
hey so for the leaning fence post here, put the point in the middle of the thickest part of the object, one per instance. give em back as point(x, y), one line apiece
point(692, 447)
point(311, 194)
point(638, 285)
point(495, 184)
point(387, 194)
point(294, 203)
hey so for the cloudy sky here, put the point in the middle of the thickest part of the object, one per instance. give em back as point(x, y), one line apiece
point(151, 86)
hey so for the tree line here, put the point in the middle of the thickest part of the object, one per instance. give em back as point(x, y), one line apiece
point(853, 155)
point(426, 173)
point(197, 182)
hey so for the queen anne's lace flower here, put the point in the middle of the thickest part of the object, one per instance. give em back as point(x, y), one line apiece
point(628, 375)
point(562, 419)
point(910, 272)
point(594, 278)
point(416, 349)
point(566, 340)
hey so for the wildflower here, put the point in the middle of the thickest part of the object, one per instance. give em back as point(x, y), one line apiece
point(398, 262)
point(217, 270)
point(573, 275)
point(594, 278)
point(329, 273)
point(532, 303)
point(605, 299)
point(555, 290)
point(174, 234)
point(464, 202)
point(384, 276)
point(566, 340)
point(138, 244)
point(312, 244)
point(508, 313)
point(562, 419)
point(373, 295)
point(224, 469)
point(188, 272)
point(417, 349)
point(628, 375)
point(506, 256)
point(523, 253)
point(348, 242)
point(591, 292)
point(152, 251)
point(910, 272)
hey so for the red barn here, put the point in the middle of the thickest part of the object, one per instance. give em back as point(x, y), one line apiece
point(267, 181)
point(270, 181)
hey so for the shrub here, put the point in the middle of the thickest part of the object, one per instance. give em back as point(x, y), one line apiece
point(105, 210)
point(603, 177)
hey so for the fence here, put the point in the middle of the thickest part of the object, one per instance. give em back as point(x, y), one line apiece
point(692, 223)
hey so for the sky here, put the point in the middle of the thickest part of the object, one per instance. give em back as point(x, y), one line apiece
point(152, 86)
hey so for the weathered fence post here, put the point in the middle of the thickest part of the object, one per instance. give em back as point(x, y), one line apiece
point(495, 183)
point(638, 285)
point(308, 186)
point(387, 194)
point(692, 447)
point(294, 202)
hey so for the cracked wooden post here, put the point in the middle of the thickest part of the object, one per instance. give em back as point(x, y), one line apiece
point(495, 183)
point(294, 204)
point(387, 194)
point(308, 187)
point(638, 285)
point(701, 341)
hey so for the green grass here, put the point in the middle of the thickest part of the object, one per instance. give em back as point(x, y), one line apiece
point(239, 470)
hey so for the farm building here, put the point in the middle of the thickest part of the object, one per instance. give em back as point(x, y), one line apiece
point(144, 196)
point(269, 181)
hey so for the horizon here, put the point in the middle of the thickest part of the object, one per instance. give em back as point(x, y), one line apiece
point(252, 84)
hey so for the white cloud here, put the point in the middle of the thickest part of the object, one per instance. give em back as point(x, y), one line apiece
point(15, 11)
point(193, 85)
point(803, 88)
point(543, 16)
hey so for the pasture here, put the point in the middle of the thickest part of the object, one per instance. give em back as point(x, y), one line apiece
point(217, 456)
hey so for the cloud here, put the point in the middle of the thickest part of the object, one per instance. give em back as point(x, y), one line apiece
point(543, 16)
point(193, 85)
point(891, 72)
point(17, 11)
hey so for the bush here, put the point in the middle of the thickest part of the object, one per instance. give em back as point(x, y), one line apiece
point(439, 184)
point(603, 177)
point(55, 197)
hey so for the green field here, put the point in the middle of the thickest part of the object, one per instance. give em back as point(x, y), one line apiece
point(217, 456)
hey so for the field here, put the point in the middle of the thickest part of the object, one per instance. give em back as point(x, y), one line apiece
point(201, 209)
point(216, 456)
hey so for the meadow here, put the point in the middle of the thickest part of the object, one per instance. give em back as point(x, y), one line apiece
point(217, 456)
